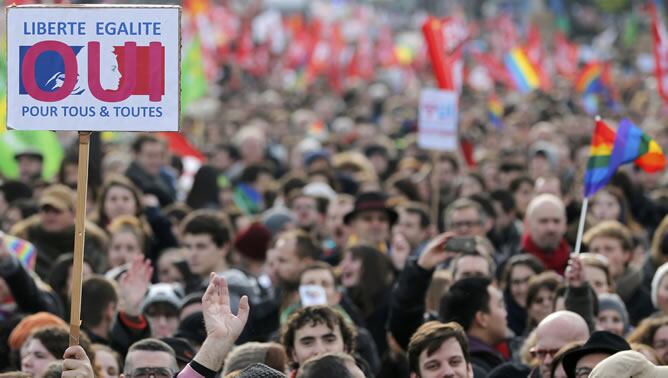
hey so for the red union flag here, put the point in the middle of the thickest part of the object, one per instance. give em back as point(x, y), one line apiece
point(660, 37)
point(440, 36)
point(455, 33)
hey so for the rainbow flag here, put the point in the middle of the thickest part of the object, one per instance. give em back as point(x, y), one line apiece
point(590, 79)
point(22, 249)
point(524, 74)
point(610, 150)
point(495, 111)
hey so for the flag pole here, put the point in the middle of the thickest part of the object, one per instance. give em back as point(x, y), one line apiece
point(583, 216)
point(79, 237)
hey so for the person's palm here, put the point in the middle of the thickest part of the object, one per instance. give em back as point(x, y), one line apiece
point(134, 285)
point(219, 320)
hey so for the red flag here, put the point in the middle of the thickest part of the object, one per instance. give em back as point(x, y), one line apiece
point(180, 146)
point(433, 34)
point(566, 56)
point(495, 68)
point(660, 37)
point(385, 48)
point(362, 63)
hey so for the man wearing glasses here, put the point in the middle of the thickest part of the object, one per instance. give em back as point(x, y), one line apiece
point(579, 362)
point(555, 331)
point(150, 358)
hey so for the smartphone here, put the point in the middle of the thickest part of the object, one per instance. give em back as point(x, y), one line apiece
point(460, 244)
point(312, 295)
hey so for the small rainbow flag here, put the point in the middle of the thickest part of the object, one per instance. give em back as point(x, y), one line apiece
point(495, 111)
point(22, 249)
point(610, 150)
point(590, 79)
point(523, 73)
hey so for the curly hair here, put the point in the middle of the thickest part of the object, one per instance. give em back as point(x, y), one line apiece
point(312, 316)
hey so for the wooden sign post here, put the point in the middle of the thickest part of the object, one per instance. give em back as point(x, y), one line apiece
point(79, 237)
point(92, 68)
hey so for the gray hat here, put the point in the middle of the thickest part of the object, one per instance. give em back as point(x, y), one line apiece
point(276, 218)
point(163, 293)
point(260, 371)
point(245, 355)
point(607, 301)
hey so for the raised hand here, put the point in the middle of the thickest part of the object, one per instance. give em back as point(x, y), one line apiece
point(434, 253)
point(134, 284)
point(76, 363)
point(221, 324)
point(575, 275)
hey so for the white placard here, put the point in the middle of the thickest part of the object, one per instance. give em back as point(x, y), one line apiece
point(438, 120)
point(93, 68)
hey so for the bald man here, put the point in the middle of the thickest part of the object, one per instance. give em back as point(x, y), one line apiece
point(555, 331)
point(545, 227)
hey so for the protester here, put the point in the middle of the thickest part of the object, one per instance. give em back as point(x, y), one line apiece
point(307, 177)
point(438, 349)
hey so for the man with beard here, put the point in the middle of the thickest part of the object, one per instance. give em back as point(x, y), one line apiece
point(545, 224)
point(292, 252)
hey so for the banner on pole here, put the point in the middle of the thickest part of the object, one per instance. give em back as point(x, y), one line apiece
point(93, 68)
point(438, 120)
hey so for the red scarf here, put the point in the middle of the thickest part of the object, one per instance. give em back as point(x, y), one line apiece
point(556, 260)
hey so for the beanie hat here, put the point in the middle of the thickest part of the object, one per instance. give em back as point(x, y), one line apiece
point(245, 355)
point(163, 293)
point(31, 323)
point(260, 371)
point(608, 301)
point(656, 281)
point(192, 328)
point(253, 242)
point(276, 218)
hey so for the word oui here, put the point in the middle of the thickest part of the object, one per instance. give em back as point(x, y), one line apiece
point(126, 85)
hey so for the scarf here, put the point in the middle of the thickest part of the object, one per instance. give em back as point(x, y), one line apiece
point(553, 260)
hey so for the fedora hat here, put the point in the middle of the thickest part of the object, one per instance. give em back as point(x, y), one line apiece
point(371, 201)
point(599, 342)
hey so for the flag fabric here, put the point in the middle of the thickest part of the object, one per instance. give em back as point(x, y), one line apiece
point(193, 79)
point(524, 74)
point(495, 111)
point(566, 56)
point(432, 29)
point(660, 45)
point(590, 79)
point(180, 146)
point(22, 249)
point(610, 150)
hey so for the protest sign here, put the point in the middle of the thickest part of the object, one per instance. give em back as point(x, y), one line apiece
point(93, 68)
point(438, 120)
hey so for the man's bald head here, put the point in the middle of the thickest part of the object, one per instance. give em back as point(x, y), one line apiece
point(557, 330)
point(546, 221)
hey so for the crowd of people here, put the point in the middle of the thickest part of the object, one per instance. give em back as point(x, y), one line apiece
point(317, 239)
